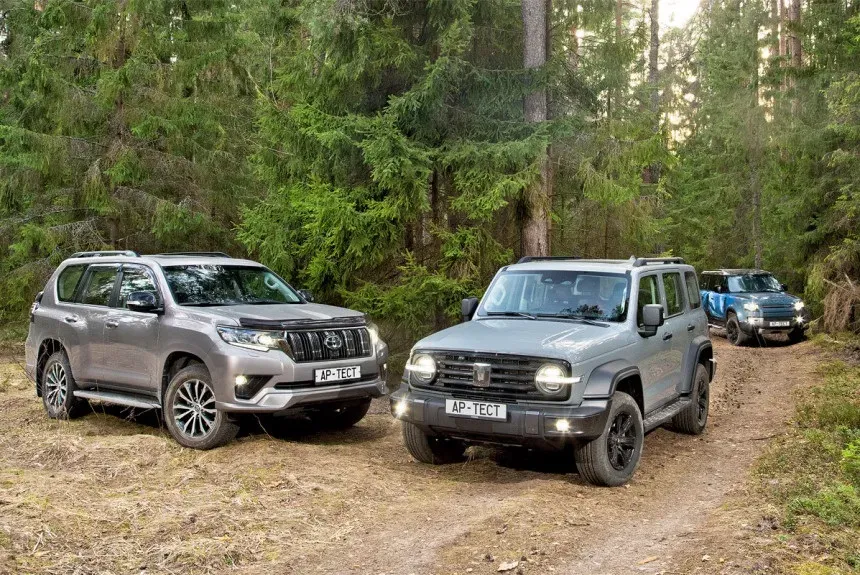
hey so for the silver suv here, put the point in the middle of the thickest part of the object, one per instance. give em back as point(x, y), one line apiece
point(562, 352)
point(202, 336)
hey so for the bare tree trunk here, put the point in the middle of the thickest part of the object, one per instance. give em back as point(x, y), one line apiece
point(652, 172)
point(535, 225)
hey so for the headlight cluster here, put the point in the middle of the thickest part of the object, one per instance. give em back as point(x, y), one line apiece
point(422, 367)
point(251, 338)
point(751, 306)
point(799, 305)
point(551, 379)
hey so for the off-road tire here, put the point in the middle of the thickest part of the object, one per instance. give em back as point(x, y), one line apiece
point(58, 395)
point(221, 428)
point(593, 458)
point(796, 335)
point(694, 418)
point(342, 417)
point(734, 333)
point(433, 450)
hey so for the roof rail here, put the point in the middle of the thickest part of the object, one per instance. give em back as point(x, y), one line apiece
point(527, 259)
point(105, 253)
point(199, 254)
point(639, 262)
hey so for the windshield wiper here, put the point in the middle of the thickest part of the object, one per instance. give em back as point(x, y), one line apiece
point(207, 303)
point(267, 302)
point(575, 318)
point(511, 314)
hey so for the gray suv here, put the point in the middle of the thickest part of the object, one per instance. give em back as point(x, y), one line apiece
point(202, 336)
point(564, 352)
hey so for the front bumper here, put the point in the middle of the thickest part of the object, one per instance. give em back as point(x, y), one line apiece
point(529, 424)
point(764, 325)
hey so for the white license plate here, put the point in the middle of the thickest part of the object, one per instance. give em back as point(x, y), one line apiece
point(337, 374)
point(478, 409)
point(779, 324)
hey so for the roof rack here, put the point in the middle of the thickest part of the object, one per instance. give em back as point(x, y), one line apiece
point(199, 254)
point(639, 262)
point(527, 259)
point(105, 253)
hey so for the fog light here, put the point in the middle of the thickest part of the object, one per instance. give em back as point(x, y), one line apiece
point(241, 380)
point(799, 319)
point(400, 408)
point(562, 425)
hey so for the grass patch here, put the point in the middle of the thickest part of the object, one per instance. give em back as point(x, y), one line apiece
point(813, 475)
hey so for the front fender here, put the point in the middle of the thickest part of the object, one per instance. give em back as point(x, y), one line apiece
point(604, 379)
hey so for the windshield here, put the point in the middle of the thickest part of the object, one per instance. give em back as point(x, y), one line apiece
point(753, 283)
point(562, 294)
point(211, 285)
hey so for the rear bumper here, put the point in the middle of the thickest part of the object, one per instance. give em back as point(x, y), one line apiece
point(531, 424)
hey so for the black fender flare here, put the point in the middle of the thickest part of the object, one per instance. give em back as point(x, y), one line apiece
point(603, 379)
point(700, 344)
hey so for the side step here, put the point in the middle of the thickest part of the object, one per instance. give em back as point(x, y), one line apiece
point(665, 414)
point(129, 399)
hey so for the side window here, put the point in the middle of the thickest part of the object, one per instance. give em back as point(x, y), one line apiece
point(706, 282)
point(648, 293)
point(99, 286)
point(674, 298)
point(134, 279)
point(693, 294)
point(68, 282)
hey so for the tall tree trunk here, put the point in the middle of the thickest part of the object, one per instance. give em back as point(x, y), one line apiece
point(535, 224)
point(652, 172)
point(795, 50)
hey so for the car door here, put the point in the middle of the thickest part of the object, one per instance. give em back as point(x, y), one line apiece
point(131, 337)
point(655, 352)
point(675, 335)
point(717, 299)
point(94, 300)
point(70, 327)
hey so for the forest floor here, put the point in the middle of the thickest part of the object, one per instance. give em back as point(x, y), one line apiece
point(104, 494)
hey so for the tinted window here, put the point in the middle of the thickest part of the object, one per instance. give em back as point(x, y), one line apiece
point(707, 280)
point(693, 294)
point(216, 285)
point(134, 279)
point(100, 286)
point(674, 299)
point(68, 281)
point(752, 283)
point(649, 293)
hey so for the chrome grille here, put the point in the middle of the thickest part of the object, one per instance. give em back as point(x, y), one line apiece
point(310, 345)
point(511, 376)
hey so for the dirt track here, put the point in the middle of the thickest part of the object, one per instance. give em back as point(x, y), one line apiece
point(100, 494)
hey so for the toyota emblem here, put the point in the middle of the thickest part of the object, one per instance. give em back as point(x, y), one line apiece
point(333, 341)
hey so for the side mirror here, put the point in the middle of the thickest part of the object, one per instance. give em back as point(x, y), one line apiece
point(652, 318)
point(783, 287)
point(468, 307)
point(718, 289)
point(143, 301)
point(307, 295)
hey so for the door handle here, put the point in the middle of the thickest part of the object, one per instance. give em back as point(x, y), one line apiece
point(111, 324)
point(667, 336)
point(691, 327)
point(70, 319)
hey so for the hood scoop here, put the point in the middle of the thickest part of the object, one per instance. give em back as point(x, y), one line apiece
point(293, 324)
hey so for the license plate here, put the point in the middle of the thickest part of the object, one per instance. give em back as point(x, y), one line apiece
point(780, 323)
point(478, 409)
point(336, 374)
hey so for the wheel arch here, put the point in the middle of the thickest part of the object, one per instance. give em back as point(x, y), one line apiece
point(47, 348)
point(616, 375)
point(700, 351)
point(175, 361)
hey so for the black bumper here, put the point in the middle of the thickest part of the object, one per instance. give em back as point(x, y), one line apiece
point(529, 425)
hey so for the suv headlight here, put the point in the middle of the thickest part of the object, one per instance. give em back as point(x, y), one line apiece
point(375, 340)
point(251, 338)
point(751, 306)
point(551, 379)
point(799, 305)
point(422, 367)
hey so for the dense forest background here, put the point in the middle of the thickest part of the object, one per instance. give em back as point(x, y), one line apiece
point(391, 154)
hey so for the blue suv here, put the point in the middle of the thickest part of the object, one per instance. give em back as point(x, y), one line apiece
point(752, 303)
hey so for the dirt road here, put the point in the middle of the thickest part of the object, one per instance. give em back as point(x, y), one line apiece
point(104, 495)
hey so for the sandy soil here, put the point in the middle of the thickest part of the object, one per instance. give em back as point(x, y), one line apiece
point(111, 493)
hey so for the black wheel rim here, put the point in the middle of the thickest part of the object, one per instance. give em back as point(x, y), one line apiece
point(732, 331)
point(702, 401)
point(621, 441)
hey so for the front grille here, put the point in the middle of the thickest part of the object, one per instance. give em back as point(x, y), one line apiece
point(512, 377)
point(782, 310)
point(328, 344)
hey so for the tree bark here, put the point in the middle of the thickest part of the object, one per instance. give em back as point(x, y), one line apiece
point(652, 172)
point(535, 224)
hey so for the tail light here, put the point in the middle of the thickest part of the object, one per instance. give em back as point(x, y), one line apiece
point(35, 306)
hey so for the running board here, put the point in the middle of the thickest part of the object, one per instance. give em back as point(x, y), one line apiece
point(129, 399)
point(663, 415)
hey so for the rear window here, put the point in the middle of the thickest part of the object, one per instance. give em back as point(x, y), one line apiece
point(693, 294)
point(674, 299)
point(68, 281)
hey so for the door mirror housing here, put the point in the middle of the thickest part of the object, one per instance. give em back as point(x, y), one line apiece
point(307, 295)
point(143, 301)
point(718, 288)
point(652, 318)
point(468, 307)
point(783, 287)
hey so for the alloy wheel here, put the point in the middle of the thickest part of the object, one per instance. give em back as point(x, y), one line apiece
point(731, 332)
point(621, 441)
point(194, 409)
point(56, 386)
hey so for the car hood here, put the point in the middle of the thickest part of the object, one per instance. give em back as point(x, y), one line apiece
point(770, 298)
point(572, 341)
point(279, 312)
